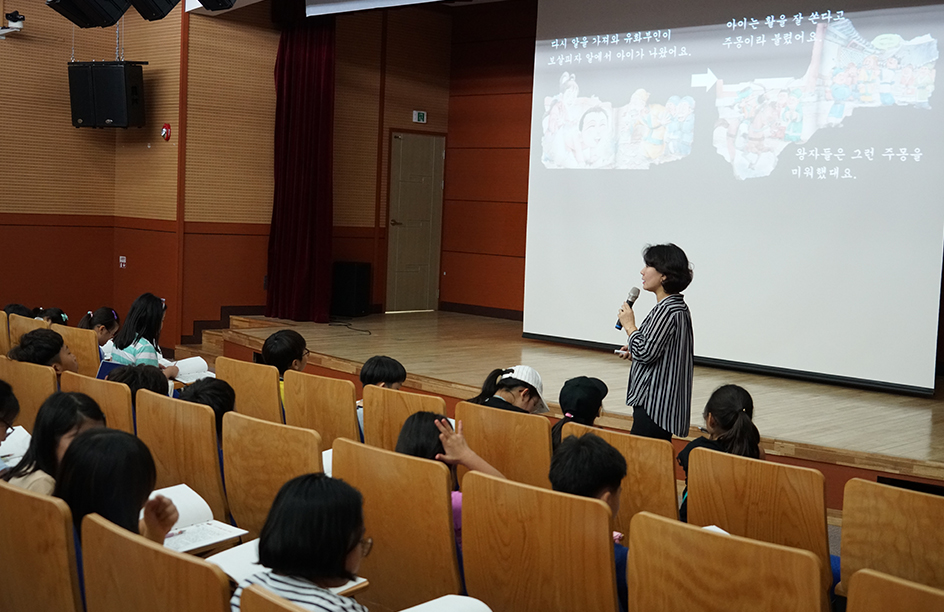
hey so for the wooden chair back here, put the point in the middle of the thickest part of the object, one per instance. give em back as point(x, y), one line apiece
point(255, 598)
point(21, 325)
point(256, 386)
point(4, 333)
point(871, 591)
point(891, 530)
point(385, 411)
point(125, 571)
point(84, 345)
point(37, 553)
point(673, 566)
point(771, 502)
point(327, 405)
point(517, 445)
point(510, 562)
point(113, 398)
point(182, 439)
point(32, 384)
point(408, 513)
point(650, 474)
point(260, 457)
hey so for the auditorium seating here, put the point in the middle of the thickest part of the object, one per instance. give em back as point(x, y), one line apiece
point(408, 513)
point(32, 384)
point(182, 439)
point(766, 501)
point(673, 566)
point(125, 571)
point(871, 591)
point(327, 405)
point(21, 325)
point(259, 599)
point(528, 548)
point(650, 474)
point(37, 553)
point(259, 457)
point(892, 530)
point(385, 411)
point(256, 386)
point(517, 445)
point(113, 398)
point(84, 345)
point(4, 334)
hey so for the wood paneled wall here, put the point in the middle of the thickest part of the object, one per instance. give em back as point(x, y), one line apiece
point(485, 210)
point(389, 63)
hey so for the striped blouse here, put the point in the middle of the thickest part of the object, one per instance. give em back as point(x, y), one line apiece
point(138, 352)
point(660, 379)
point(299, 591)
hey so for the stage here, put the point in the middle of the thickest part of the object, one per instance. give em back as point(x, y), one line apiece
point(450, 354)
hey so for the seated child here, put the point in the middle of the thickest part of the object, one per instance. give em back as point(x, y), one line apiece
point(45, 347)
point(61, 418)
point(53, 316)
point(581, 400)
point(140, 377)
point(286, 350)
point(138, 342)
point(215, 393)
point(9, 410)
point(104, 322)
point(312, 540)
point(590, 467)
point(518, 389)
point(429, 436)
point(384, 372)
point(728, 415)
point(18, 309)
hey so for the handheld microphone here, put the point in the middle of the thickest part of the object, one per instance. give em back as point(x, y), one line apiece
point(630, 300)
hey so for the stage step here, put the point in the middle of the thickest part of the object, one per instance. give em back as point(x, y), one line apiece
point(250, 322)
point(213, 340)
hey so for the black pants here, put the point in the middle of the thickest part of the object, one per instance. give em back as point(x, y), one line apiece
point(646, 427)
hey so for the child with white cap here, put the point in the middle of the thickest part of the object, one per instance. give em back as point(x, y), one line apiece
point(518, 389)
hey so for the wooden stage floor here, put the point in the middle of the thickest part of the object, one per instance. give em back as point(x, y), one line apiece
point(460, 350)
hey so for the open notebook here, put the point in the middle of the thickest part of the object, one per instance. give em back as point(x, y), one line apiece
point(14, 447)
point(242, 561)
point(191, 369)
point(196, 528)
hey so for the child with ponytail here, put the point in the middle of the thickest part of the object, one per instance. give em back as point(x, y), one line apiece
point(104, 322)
point(729, 423)
point(518, 389)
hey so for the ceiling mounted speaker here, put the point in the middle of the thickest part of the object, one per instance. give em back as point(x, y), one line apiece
point(91, 13)
point(152, 10)
point(217, 5)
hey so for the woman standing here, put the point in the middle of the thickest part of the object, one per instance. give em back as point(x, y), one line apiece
point(660, 379)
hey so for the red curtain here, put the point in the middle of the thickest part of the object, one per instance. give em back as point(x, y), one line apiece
point(299, 269)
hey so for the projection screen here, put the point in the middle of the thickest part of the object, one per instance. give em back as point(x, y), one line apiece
point(795, 155)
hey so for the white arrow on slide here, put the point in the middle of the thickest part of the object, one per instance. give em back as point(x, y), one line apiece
point(708, 80)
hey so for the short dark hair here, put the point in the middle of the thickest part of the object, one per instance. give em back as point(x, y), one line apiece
point(215, 393)
point(144, 321)
point(60, 413)
point(18, 309)
point(40, 346)
point(314, 522)
point(586, 466)
point(9, 406)
point(671, 261)
point(382, 369)
point(419, 436)
point(282, 348)
point(107, 471)
point(140, 376)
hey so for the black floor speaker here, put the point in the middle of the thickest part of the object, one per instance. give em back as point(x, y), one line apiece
point(107, 94)
point(350, 296)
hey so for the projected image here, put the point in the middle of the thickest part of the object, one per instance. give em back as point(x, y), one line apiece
point(758, 119)
point(584, 132)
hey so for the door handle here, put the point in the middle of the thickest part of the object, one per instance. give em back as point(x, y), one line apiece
point(394, 222)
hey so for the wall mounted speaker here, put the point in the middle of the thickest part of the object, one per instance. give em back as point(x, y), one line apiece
point(107, 94)
point(217, 5)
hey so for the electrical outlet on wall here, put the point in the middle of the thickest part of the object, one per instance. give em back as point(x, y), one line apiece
point(122, 261)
